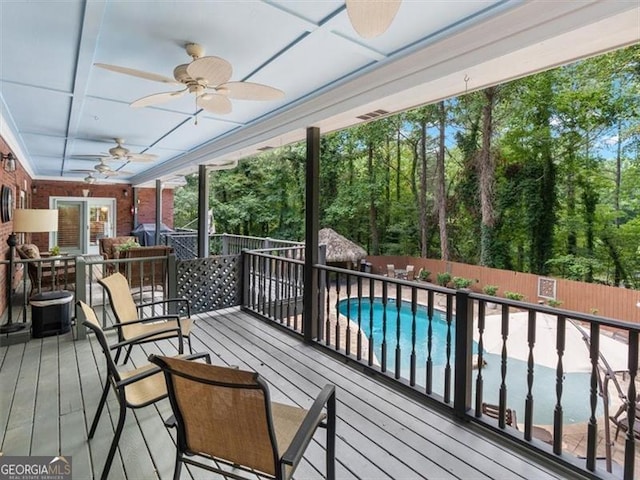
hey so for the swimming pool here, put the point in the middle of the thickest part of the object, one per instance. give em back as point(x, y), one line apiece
point(576, 386)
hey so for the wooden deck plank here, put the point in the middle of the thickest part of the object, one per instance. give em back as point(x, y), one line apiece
point(25, 390)
point(46, 427)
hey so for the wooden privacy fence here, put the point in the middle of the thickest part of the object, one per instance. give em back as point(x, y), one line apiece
point(602, 300)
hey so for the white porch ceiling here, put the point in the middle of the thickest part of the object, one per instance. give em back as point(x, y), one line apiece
point(55, 104)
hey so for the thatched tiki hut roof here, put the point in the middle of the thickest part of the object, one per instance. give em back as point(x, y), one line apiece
point(339, 248)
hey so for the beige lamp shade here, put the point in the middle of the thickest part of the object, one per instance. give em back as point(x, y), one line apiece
point(35, 220)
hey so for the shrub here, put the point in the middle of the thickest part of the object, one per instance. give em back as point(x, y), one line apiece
point(490, 289)
point(443, 279)
point(552, 302)
point(514, 295)
point(424, 275)
point(461, 282)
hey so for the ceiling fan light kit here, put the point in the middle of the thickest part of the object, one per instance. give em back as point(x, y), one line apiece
point(371, 18)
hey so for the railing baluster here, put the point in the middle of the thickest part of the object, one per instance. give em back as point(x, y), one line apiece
point(359, 334)
point(557, 412)
point(528, 408)
point(630, 441)
point(327, 320)
point(296, 287)
point(290, 296)
point(347, 340)
point(447, 368)
point(372, 294)
point(479, 379)
point(398, 349)
point(337, 326)
point(592, 426)
point(271, 302)
point(383, 360)
point(429, 369)
point(502, 404)
point(414, 310)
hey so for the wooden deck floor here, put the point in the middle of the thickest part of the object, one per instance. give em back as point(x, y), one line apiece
point(51, 386)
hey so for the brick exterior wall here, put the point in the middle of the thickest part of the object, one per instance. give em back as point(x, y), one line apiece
point(20, 181)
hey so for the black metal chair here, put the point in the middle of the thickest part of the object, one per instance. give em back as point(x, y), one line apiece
point(226, 415)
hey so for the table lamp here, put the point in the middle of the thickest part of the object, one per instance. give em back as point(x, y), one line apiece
point(25, 221)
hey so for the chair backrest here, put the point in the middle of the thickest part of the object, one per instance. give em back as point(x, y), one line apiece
point(119, 292)
point(91, 322)
point(410, 272)
point(493, 411)
point(222, 412)
point(391, 270)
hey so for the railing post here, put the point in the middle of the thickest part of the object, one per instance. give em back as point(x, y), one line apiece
point(464, 353)
point(246, 263)
point(81, 294)
point(312, 200)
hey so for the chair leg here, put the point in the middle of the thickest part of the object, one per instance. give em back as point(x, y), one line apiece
point(189, 340)
point(96, 418)
point(178, 467)
point(114, 443)
point(331, 437)
point(117, 355)
point(126, 357)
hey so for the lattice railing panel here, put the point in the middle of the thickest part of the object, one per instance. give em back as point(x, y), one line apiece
point(210, 283)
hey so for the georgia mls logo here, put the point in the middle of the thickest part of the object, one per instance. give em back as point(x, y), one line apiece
point(35, 468)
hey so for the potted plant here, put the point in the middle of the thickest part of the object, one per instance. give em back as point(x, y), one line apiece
point(514, 296)
point(461, 282)
point(443, 279)
point(424, 275)
point(490, 290)
point(552, 302)
point(128, 245)
point(55, 251)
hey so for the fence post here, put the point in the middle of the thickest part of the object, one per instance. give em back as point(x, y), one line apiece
point(464, 353)
point(81, 295)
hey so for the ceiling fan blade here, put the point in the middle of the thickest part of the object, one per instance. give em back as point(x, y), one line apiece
point(214, 70)
point(372, 18)
point(115, 173)
point(249, 91)
point(141, 157)
point(214, 103)
point(137, 73)
point(157, 98)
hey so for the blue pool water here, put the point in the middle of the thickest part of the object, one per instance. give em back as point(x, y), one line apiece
point(575, 397)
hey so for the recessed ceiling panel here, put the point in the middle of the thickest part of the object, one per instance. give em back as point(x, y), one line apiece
point(39, 42)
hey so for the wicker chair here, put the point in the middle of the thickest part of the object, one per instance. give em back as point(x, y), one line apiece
point(225, 414)
point(128, 315)
point(144, 273)
point(108, 249)
point(135, 388)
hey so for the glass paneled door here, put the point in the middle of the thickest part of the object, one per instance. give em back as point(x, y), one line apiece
point(81, 222)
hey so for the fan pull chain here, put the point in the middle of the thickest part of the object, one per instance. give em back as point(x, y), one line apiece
point(196, 113)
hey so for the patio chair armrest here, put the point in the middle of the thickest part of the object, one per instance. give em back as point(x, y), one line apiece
point(146, 320)
point(139, 376)
point(144, 336)
point(165, 301)
point(312, 420)
point(198, 355)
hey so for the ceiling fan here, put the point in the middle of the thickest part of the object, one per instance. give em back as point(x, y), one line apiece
point(120, 153)
point(371, 18)
point(102, 169)
point(207, 78)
